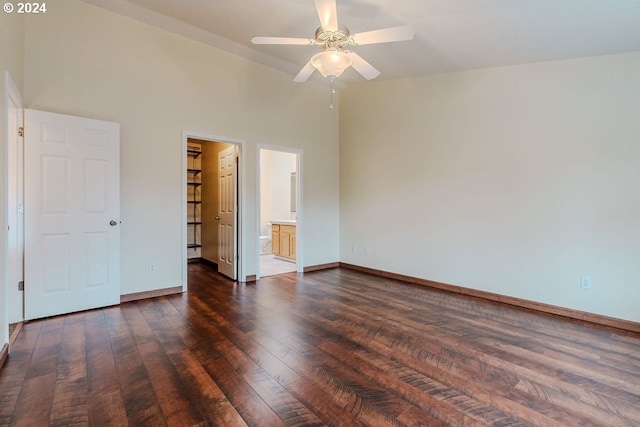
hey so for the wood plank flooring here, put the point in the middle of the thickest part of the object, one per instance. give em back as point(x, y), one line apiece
point(333, 347)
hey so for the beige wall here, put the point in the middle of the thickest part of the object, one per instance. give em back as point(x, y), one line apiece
point(514, 180)
point(83, 60)
point(11, 60)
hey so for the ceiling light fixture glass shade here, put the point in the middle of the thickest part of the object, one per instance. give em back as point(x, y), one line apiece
point(331, 62)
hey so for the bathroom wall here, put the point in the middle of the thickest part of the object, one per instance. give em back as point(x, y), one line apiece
point(275, 186)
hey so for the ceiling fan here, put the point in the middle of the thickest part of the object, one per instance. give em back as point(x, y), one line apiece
point(336, 41)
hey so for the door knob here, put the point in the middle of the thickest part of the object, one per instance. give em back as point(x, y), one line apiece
point(218, 218)
point(113, 223)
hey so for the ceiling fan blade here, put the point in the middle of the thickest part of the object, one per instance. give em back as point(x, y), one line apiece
point(328, 14)
point(392, 34)
point(282, 40)
point(367, 70)
point(305, 73)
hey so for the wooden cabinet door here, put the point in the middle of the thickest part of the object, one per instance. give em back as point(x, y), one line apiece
point(285, 240)
point(275, 239)
point(292, 245)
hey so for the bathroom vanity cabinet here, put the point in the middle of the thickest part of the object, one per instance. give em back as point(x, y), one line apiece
point(283, 240)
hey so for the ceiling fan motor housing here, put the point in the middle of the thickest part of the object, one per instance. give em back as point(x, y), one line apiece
point(337, 39)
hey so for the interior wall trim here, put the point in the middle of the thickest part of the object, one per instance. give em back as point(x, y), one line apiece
point(208, 262)
point(16, 332)
point(311, 268)
point(4, 354)
point(150, 294)
point(518, 302)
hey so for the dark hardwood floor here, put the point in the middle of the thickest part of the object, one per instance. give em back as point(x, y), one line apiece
point(333, 347)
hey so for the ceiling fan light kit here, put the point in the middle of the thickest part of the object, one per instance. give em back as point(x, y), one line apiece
point(331, 63)
point(334, 39)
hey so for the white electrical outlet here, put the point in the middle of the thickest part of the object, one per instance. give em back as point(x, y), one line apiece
point(152, 268)
point(585, 282)
point(366, 251)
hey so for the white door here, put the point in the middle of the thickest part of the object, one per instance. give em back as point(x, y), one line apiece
point(72, 208)
point(227, 240)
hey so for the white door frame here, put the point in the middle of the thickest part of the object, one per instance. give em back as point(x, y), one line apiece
point(14, 170)
point(241, 197)
point(300, 212)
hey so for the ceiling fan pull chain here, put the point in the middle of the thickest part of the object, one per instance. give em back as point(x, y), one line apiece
point(333, 90)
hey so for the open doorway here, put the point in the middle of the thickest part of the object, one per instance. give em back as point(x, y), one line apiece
point(212, 209)
point(279, 211)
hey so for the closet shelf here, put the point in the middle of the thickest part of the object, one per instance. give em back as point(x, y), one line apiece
point(194, 174)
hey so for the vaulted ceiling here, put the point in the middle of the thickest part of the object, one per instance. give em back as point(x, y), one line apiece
point(451, 35)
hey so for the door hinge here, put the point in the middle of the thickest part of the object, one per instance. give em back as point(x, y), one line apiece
point(21, 285)
point(20, 131)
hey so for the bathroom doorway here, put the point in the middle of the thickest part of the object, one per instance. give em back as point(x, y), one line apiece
point(279, 218)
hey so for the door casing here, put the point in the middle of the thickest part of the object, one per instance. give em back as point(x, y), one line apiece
point(299, 213)
point(15, 195)
point(240, 197)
